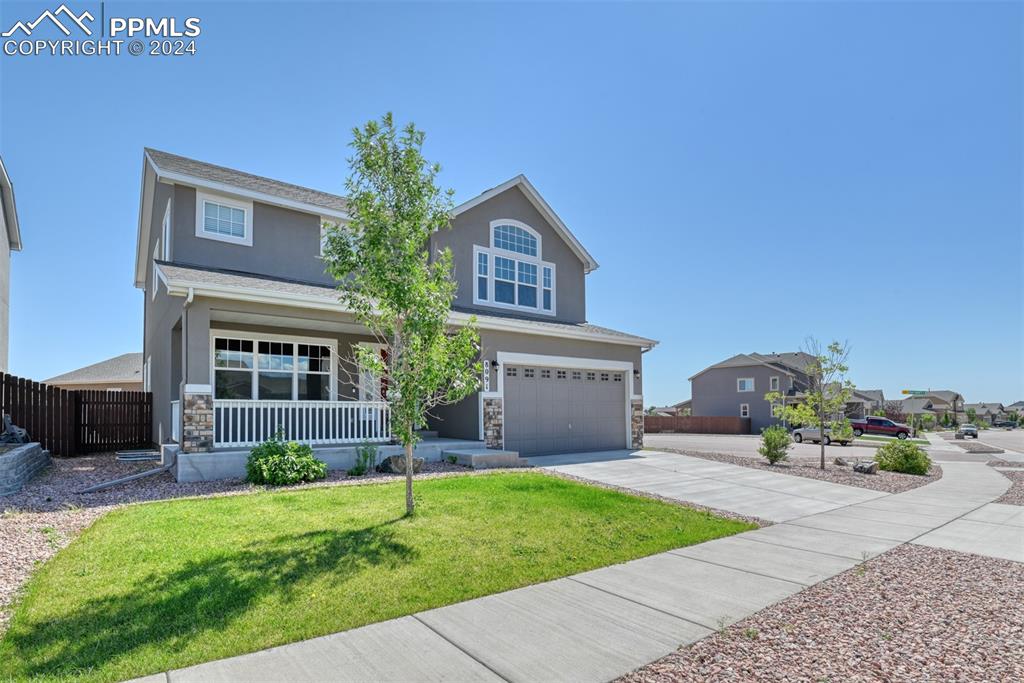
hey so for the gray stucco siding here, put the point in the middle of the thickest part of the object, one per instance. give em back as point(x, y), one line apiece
point(714, 393)
point(474, 228)
point(285, 243)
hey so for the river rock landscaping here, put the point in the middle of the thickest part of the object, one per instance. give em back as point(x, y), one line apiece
point(911, 614)
point(889, 482)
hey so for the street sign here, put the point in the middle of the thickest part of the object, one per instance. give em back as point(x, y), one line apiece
point(914, 392)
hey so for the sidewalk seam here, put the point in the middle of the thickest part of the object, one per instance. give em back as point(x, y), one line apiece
point(458, 647)
point(637, 602)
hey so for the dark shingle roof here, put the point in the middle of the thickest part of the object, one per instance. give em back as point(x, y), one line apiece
point(124, 368)
point(166, 161)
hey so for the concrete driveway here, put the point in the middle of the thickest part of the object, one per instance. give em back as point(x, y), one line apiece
point(775, 497)
point(746, 446)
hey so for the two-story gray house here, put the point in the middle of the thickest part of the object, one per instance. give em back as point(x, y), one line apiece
point(245, 334)
point(736, 386)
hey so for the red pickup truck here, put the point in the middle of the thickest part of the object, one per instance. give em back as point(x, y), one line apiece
point(880, 425)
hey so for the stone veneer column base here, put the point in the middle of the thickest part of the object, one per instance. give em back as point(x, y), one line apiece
point(494, 421)
point(637, 415)
point(197, 430)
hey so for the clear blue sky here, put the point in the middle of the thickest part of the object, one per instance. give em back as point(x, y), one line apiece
point(747, 174)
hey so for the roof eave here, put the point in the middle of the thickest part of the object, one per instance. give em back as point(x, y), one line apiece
point(590, 264)
point(10, 210)
point(183, 288)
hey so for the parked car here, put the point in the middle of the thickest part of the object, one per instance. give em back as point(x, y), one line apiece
point(968, 430)
point(880, 425)
point(1004, 424)
point(813, 434)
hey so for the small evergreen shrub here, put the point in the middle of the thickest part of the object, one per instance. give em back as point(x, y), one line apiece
point(903, 456)
point(775, 441)
point(366, 460)
point(277, 462)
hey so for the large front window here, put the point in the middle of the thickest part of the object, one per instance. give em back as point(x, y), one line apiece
point(511, 274)
point(271, 370)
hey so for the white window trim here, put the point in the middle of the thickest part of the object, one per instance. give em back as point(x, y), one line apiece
point(774, 383)
point(744, 408)
point(203, 197)
point(255, 338)
point(165, 253)
point(492, 251)
point(744, 379)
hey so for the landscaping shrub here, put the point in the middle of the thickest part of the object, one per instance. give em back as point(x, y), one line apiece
point(277, 462)
point(775, 441)
point(903, 456)
point(366, 460)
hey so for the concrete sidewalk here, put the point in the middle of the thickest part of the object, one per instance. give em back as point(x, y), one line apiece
point(604, 623)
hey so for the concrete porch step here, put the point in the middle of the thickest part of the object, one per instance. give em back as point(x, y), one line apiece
point(426, 433)
point(484, 458)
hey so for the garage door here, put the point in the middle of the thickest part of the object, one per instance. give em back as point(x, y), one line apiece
point(559, 410)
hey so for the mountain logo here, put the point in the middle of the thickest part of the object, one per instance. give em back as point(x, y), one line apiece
point(77, 20)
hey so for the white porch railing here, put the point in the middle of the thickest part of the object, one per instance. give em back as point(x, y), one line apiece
point(247, 423)
point(176, 421)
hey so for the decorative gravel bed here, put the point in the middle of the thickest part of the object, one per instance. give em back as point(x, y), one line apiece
point(911, 614)
point(890, 482)
point(43, 517)
point(1015, 494)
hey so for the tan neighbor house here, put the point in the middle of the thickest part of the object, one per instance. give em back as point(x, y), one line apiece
point(120, 373)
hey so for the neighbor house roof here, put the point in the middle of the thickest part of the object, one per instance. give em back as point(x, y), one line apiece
point(182, 280)
point(787, 363)
point(168, 165)
point(542, 207)
point(944, 395)
point(994, 408)
point(10, 211)
point(117, 370)
point(916, 405)
point(874, 394)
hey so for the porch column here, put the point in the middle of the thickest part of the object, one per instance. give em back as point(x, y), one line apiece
point(494, 423)
point(197, 385)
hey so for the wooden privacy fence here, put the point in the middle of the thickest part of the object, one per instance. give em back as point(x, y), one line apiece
point(656, 424)
point(80, 421)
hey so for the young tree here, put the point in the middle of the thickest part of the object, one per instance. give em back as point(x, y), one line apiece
point(894, 411)
point(395, 287)
point(824, 401)
point(972, 416)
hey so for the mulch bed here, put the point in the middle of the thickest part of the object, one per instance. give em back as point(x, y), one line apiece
point(889, 482)
point(911, 614)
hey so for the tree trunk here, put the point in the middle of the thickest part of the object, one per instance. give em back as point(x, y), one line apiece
point(409, 504)
point(821, 421)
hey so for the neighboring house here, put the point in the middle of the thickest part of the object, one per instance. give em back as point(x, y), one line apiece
point(987, 412)
point(943, 402)
point(681, 409)
point(244, 332)
point(120, 373)
point(10, 240)
point(1017, 407)
point(875, 399)
point(917, 406)
point(736, 386)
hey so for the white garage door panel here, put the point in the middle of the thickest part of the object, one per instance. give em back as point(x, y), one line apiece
point(559, 410)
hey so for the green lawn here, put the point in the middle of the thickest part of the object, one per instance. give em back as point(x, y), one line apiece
point(164, 585)
point(879, 437)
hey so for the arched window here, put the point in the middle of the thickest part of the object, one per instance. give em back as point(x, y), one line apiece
point(514, 238)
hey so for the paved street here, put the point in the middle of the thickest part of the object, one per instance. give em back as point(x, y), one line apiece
point(1000, 438)
point(601, 624)
point(746, 446)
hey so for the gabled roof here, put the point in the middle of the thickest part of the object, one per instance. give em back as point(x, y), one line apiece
point(542, 206)
point(876, 395)
point(916, 405)
point(174, 167)
point(10, 211)
point(786, 363)
point(120, 369)
point(944, 395)
point(182, 280)
point(1018, 404)
point(985, 407)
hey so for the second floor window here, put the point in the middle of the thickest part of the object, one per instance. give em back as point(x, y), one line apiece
point(745, 384)
point(510, 273)
point(773, 384)
point(224, 219)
